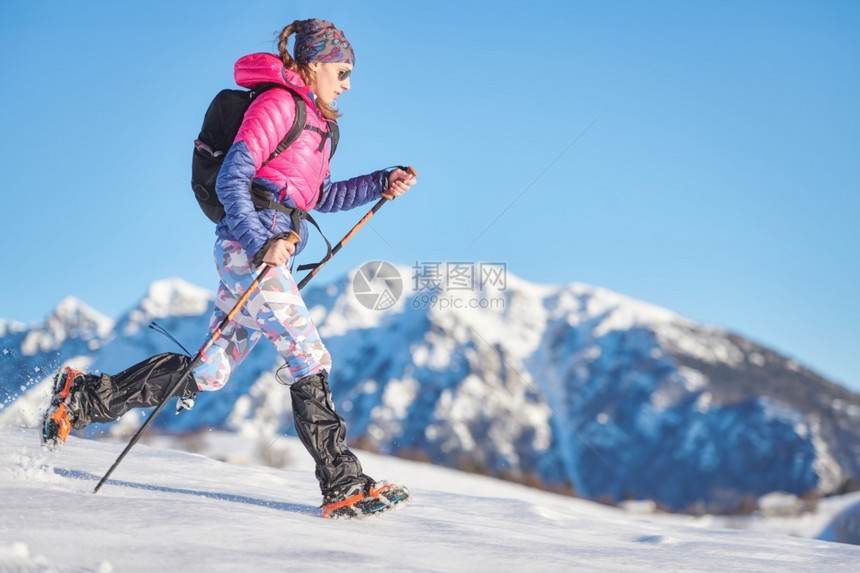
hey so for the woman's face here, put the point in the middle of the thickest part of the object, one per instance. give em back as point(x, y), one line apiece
point(331, 80)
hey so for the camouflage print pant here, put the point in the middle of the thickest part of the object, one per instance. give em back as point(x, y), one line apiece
point(275, 311)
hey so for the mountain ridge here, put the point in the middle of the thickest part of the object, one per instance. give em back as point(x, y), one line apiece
point(571, 388)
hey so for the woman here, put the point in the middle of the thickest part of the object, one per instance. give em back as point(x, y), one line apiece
point(318, 71)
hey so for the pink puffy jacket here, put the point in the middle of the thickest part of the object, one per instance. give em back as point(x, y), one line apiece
point(298, 177)
point(301, 168)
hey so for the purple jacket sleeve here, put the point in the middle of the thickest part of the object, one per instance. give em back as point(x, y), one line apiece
point(231, 186)
point(352, 193)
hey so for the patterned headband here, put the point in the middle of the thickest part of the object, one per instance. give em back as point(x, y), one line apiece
point(319, 41)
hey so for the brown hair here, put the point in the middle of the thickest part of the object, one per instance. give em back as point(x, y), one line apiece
point(307, 74)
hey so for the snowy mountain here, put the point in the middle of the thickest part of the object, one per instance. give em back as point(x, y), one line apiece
point(29, 353)
point(570, 388)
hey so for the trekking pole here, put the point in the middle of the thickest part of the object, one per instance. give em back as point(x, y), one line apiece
point(376, 207)
point(216, 334)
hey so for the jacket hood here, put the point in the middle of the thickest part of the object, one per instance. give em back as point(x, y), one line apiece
point(264, 68)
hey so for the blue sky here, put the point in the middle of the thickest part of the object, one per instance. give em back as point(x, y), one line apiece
point(701, 156)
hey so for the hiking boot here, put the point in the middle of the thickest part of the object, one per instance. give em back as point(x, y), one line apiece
point(63, 412)
point(81, 399)
point(364, 499)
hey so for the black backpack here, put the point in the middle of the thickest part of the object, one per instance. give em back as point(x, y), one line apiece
point(220, 126)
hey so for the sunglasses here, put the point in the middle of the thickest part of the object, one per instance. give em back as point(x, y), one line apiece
point(343, 74)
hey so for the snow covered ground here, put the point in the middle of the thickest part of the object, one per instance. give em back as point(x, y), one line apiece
point(169, 510)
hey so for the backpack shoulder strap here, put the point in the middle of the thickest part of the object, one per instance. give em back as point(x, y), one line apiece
point(300, 124)
point(295, 130)
point(334, 133)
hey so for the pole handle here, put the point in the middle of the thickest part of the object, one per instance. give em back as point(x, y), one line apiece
point(410, 171)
